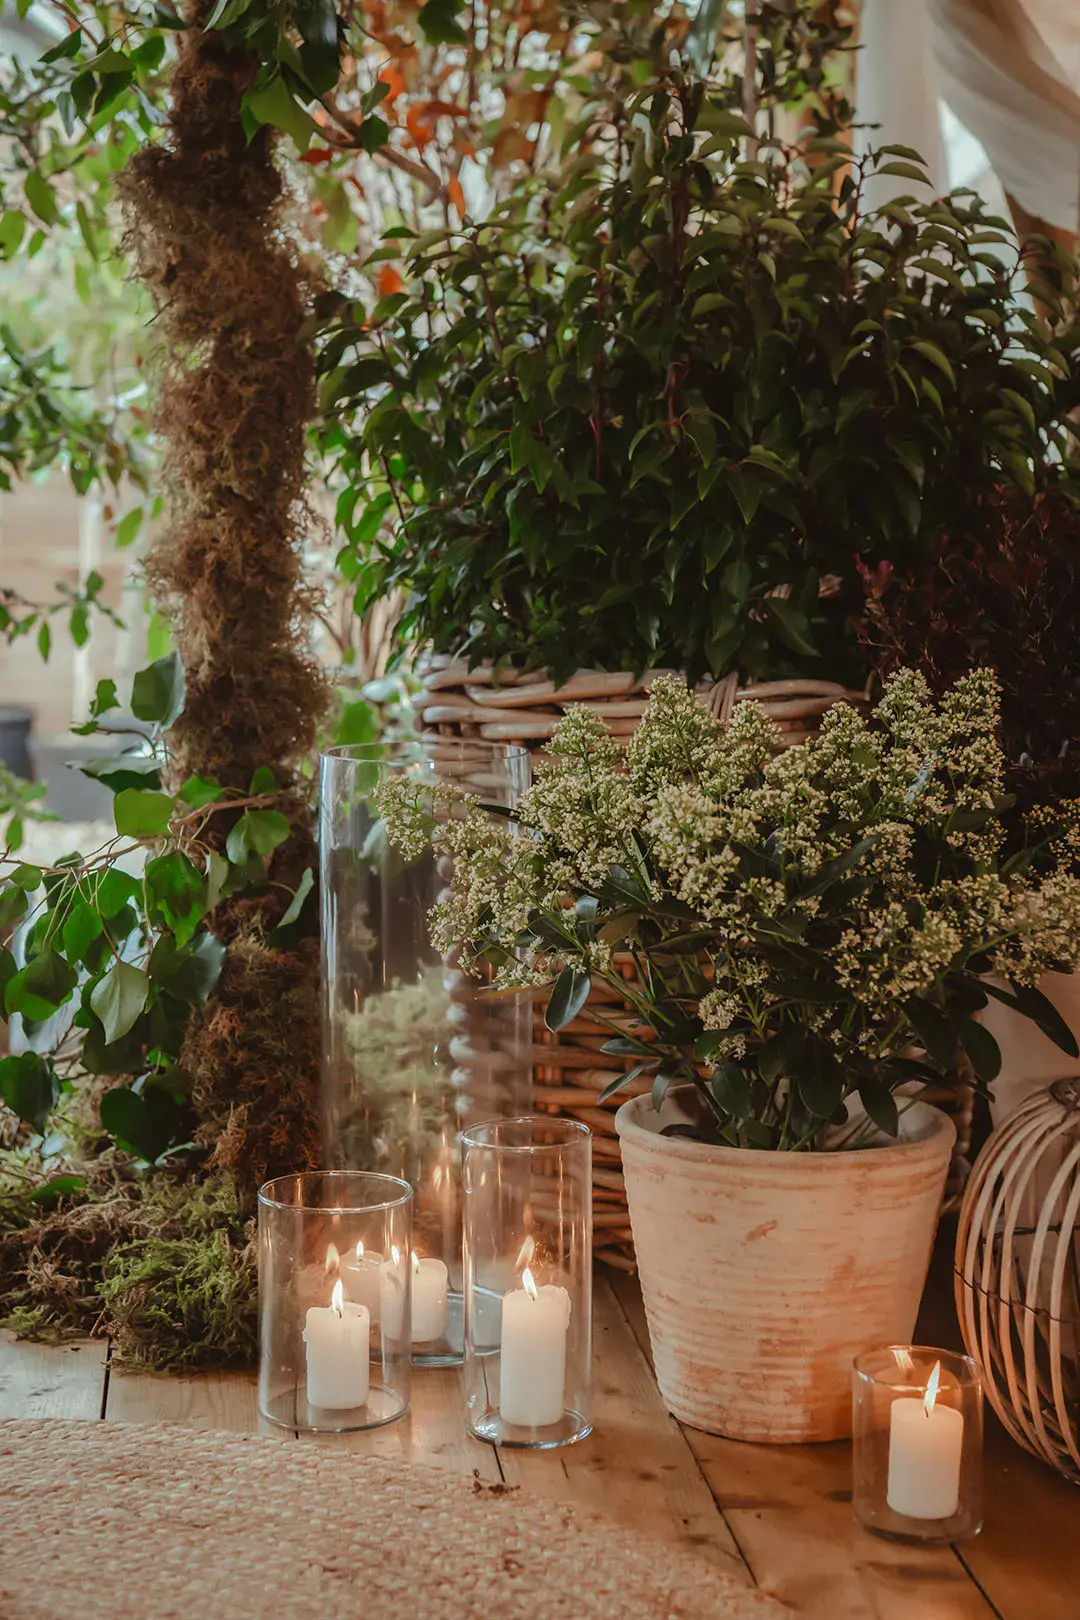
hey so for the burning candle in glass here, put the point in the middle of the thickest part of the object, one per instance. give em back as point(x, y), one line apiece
point(533, 1350)
point(926, 1444)
point(361, 1271)
point(427, 1319)
point(337, 1339)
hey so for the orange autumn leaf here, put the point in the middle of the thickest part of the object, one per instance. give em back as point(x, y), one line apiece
point(457, 196)
point(390, 280)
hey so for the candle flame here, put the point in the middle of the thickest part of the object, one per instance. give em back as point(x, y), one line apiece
point(415, 1263)
point(932, 1384)
point(337, 1298)
point(525, 1253)
point(436, 1177)
point(395, 1254)
point(360, 1249)
point(333, 1259)
point(528, 1284)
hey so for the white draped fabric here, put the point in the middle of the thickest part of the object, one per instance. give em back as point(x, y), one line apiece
point(1010, 70)
point(897, 89)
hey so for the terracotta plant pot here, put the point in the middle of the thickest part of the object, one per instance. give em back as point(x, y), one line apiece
point(765, 1274)
point(1030, 1061)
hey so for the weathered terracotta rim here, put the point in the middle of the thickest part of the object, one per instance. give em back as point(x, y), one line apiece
point(929, 1144)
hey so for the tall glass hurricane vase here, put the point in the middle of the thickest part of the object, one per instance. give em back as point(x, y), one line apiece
point(414, 1049)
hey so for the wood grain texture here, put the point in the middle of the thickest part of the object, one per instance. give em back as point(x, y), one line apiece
point(790, 1510)
point(785, 1507)
point(44, 1380)
point(636, 1466)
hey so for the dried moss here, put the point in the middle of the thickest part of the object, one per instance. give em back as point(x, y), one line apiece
point(209, 230)
point(166, 1267)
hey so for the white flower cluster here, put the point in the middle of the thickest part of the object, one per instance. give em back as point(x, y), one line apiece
point(750, 881)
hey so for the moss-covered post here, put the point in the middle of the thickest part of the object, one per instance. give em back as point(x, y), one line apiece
point(208, 227)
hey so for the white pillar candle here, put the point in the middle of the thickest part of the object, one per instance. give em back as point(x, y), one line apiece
point(926, 1442)
point(428, 1311)
point(361, 1272)
point(533, 1354)
point(337, 1340)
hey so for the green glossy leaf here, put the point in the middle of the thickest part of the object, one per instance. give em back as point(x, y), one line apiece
point(157, 692)
point(42, 986)
point(199, 791)
point(188, 972)
point(569, 994)
point(142, 815)
point(119, 998)
point(258, 832)
point(30, 1087)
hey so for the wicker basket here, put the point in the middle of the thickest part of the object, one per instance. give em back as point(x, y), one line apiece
point(569, 1069)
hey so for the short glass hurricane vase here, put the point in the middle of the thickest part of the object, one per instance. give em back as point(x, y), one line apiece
point(917, 1444)
point(414, 1048)
point(528, 1281)
point(335, 1289)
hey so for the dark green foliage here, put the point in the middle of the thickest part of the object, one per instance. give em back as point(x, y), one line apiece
point(608, 425)
point(1006, 594)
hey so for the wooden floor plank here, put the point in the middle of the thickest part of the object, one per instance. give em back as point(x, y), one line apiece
point(56, 1381)
point(219, 1400)
point(789, 1508)
point(636, 1467)
point(433, 1435)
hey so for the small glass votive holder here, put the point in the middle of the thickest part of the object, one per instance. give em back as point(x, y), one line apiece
point(527, 1195)
point(917, 1443)
point(335, 1264)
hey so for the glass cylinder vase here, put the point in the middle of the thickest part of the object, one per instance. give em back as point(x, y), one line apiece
point(917, 1443)
point(528, 1281)
point(414, 1048)
point(335, 1288)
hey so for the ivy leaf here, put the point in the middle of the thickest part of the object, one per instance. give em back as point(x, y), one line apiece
point(13, 905)
point(30, 1087)
point(157, 692)
point(124, 771)
point(199, 791)
point(258, 832)
point(114, 891)
point(82, 927)
point(569, 994)
point(142, 815)
point(42, 986)
point(119, 998)
point(145, 1123)
point(188, 972)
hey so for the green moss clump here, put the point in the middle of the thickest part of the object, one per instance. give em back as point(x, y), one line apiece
point(167, 1268)
point(185, 1295)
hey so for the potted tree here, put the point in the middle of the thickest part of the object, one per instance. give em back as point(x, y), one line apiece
point(798, 923)
point(656, 413)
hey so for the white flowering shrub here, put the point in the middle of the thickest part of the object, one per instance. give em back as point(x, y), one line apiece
point(799, 922)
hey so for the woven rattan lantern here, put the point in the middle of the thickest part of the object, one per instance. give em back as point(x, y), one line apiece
point(1018, 1273)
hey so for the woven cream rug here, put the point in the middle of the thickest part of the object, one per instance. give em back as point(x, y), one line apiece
point(156, 1522)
